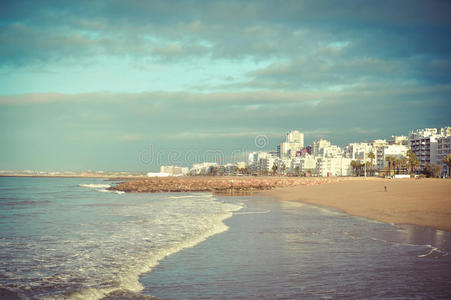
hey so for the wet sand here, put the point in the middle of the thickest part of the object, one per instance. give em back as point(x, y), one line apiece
point(424, 202)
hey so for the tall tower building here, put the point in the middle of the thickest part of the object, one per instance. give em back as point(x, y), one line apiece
point(294, 142)
point(295, 136)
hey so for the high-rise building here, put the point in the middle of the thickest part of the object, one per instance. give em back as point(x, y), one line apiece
point(294, 142)
point(423, 143)
point(295, 136)
point(318, 146)
point(443, 149)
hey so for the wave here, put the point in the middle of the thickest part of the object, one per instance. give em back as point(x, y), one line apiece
point(252, 212)
point(208, 224)
point(433, 249)
point(94, 186)
point(108, 191)
point(203, 195)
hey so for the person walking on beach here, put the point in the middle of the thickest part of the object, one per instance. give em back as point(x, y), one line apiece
point(385, 187)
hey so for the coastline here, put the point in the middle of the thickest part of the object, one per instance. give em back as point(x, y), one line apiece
point(425, 202)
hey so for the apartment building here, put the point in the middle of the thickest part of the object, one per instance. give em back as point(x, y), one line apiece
point(294, 142)
point(334, 166)
point(443, 149)
point(396, 151)
point(423, 143)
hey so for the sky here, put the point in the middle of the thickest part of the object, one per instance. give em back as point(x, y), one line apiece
point(130, 85)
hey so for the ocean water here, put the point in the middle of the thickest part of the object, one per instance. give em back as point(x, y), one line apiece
point(286, 250)
point(64, 238)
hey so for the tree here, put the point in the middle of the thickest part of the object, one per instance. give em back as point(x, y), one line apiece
point(282, 168)
point(412, 161)
point(447, 161)
point(432, 170)
point(369, 166)
point(354, 165)
point(274, 168)
point(404, 162)
point(357, 167)
point(390, 160)
point(372, 157)
point(399, 164)
point(213, 170)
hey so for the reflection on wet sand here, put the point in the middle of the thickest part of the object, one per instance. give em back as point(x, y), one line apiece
point(418, 235)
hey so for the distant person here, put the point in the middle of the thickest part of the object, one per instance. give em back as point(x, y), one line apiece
point(385, 188)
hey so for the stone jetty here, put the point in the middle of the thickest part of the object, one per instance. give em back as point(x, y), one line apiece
point(220, 185)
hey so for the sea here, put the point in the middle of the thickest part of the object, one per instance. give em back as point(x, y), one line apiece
point(71, 238)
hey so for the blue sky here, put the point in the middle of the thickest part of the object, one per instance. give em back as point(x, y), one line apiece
point(129, 85)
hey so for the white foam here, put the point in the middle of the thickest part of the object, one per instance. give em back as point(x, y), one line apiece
point(94, 186)
point(434, 249)
point(199, 195)
point(157, 230)
point(252, 212)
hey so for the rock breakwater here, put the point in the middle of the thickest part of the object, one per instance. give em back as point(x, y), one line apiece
point(222, 185)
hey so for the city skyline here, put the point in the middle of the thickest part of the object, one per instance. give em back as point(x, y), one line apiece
point(96, 85)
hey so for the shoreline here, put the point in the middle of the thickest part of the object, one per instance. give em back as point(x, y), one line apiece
point(425, 202)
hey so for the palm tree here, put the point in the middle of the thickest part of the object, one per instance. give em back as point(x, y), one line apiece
point(354, 165)
point(371, 156)
point(282, 168)
point(390, 160)
point(412, 161)
point(447, 161)
point(369, 166)
point(274, 168)
point(404, 162)
point(397, 162)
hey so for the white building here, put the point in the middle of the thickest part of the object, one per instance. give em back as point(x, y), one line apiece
point(331, 151)
point(174, 170)
point(266, 164)
point(396, 151)
point(318, 146)
point(284, 165)
point(378, 143)
point(153, 174)
point(398, 140)
point(334, 166)
point(445, 131)
point(295, 136)
point(288, 149)
point(202, 168)
point(294, 142)
point(305, 163)
point(358, 151)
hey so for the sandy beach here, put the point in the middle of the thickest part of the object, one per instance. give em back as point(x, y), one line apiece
point(425, 202)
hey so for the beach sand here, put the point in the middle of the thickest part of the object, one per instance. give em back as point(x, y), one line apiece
point(424, 202)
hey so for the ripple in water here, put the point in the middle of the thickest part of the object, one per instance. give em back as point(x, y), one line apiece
point(83, 244)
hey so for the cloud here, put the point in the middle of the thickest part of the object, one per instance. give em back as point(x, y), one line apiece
point(33, 32)
point(131, 137)
point(196, 74)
